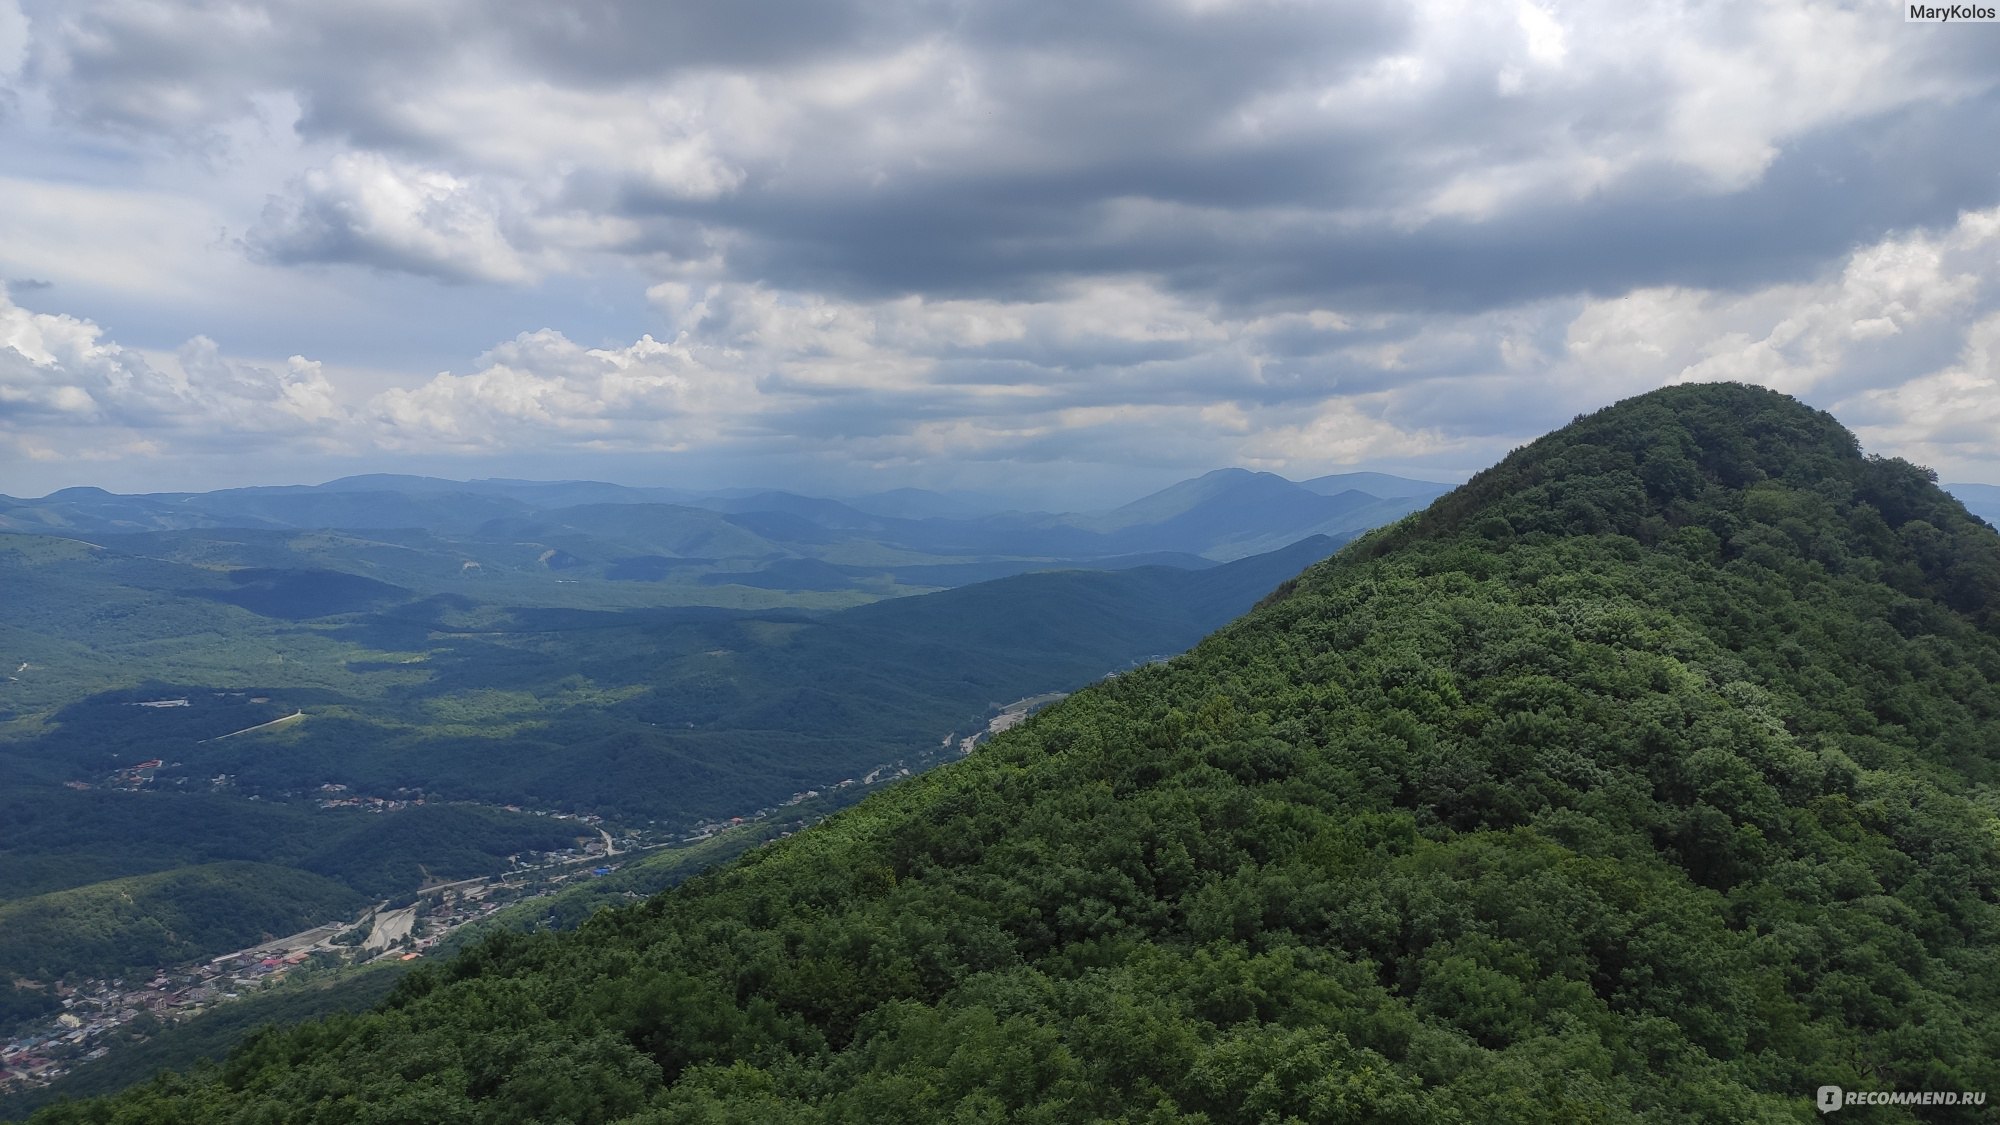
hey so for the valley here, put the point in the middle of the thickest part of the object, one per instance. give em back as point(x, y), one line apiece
point(1566, 682)
point(1169, 563)
point(215, 735)
point(1647, 776)
point(101, 1015)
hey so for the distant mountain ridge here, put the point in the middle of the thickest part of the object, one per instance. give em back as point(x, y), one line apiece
point(1982, 500)
point(674, 713)
point(89, 508)
point(1649, 776)
point(524, 532)
point(655, 657)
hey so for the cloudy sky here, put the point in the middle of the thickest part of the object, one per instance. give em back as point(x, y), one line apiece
point(1064, 251)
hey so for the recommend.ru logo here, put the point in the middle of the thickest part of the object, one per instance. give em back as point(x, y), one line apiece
point(1831, 1098)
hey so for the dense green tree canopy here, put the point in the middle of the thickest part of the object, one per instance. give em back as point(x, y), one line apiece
point(1650, 776)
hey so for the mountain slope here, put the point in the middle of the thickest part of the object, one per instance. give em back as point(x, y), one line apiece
point(919, 503)
point(588, 544)
point(1650, 776)
point(1982, 500)
point(1232, 513)
point(147, 920)
point(663, 529)
point(1376, 484)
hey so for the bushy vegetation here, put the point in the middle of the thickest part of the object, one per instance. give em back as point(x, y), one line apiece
point(67, 839)
point(674, 714)
point(1650, 777)
point(684, 713)
point(98, 884)
point(146, 921)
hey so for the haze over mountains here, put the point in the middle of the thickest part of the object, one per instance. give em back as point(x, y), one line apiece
point(234, 714)
point(1648, 776)
point(623, 532)
point(1982, 500)
point(456, 529)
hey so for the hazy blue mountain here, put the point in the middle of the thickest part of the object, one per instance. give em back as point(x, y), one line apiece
point(95, 511)
point(1982, 500)
point(429, 533)
point(1376, 484)
point(1062, 626)
point(1177, 500)
point(446, 512)
point(653, 529)
point(91, 511)
point(817, 510)
point(535, 493)
point(1231, 513)
point(922, 504)
point(379, 482)
point(569, 493)
point(1063, 623)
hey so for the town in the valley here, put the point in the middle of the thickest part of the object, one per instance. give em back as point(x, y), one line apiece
point(98, 1014)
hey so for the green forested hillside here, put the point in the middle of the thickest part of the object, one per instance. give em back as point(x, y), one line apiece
point(148, 920)
point(60, 839)
point(679, 714)
point(100, 884)
point(1650, 776)
point(672, 716)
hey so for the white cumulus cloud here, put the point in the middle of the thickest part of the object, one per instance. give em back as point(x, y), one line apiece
point(366, 209)
point(61, 372)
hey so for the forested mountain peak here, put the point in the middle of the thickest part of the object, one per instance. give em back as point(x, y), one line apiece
point(1650, 776)
point(1725, 469)
point(1651, 458)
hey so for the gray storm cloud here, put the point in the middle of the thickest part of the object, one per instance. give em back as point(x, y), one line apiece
point(1452, 154)
point(1282, 233)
